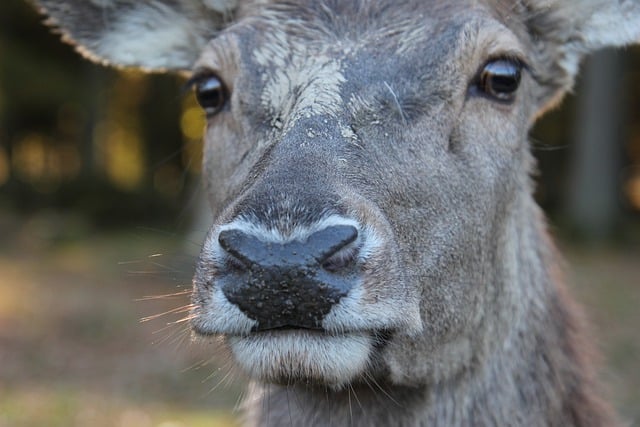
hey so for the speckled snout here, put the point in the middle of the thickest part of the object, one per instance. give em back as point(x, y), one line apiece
point(292, 284)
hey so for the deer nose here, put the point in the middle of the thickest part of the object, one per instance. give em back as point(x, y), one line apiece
point(293, 284)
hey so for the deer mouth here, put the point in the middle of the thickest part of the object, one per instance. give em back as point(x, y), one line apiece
point(286, 355)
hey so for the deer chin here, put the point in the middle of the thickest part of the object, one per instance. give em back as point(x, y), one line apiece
point(302, 356)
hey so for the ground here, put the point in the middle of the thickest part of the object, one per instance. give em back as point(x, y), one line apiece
point(74, 351)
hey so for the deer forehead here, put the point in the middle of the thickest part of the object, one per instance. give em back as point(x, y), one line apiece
point(289, 76)
point(299, 84)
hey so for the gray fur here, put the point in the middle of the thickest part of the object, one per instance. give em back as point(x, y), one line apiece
point(362, 110)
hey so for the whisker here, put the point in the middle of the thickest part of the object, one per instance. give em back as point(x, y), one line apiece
point(379, 387)
point(355, 396)
point(349, 389)
point(240, 401)
point(164, 296)
point(181, 309)
point(195, 366)
point(183, 327)
point(221, 382)
point(289, 406)
point(180, 337)
point(188, 318)
point(173, 336)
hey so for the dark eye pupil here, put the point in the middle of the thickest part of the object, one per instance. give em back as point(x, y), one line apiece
point(211, 94)
point(501, 79)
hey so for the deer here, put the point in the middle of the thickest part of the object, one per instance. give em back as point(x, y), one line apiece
point(377, 257)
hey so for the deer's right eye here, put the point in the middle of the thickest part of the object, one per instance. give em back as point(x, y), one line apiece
point(500, 79)
point(210, 93)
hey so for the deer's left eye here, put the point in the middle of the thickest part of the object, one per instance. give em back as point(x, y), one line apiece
point(210, 93)
point(500, 79)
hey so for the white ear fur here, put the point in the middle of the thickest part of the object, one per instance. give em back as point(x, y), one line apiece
point(612, 23)
point(173, 41)
point(595, 24)
point(151, 34)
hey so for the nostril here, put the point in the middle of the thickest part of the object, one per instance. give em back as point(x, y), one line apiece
point(235, 243)
point(340, 260)
point(330, 242)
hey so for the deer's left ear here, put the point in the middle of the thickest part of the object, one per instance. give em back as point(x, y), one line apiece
point(600, 23)
point(565, 31)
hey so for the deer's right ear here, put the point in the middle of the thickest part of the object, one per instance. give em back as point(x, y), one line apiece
point(150, 34)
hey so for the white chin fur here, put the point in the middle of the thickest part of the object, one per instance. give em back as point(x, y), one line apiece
point(294, 356)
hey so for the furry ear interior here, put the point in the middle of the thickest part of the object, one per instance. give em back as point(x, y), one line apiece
point(619, 25)
point(565, 31)
point(595, 24)
point(150, 34)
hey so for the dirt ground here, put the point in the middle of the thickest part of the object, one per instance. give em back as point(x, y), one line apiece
point(74, 351)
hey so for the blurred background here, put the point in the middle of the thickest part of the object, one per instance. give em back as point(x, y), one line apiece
point(100, 223)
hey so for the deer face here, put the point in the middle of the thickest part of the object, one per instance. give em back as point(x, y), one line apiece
point(365, 185)
point(367, 166)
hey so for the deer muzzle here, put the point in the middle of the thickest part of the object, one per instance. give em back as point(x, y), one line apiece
point(292, 284)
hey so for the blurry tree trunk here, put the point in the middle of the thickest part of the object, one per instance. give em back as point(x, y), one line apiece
point(95, 80)
point(592, 203)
